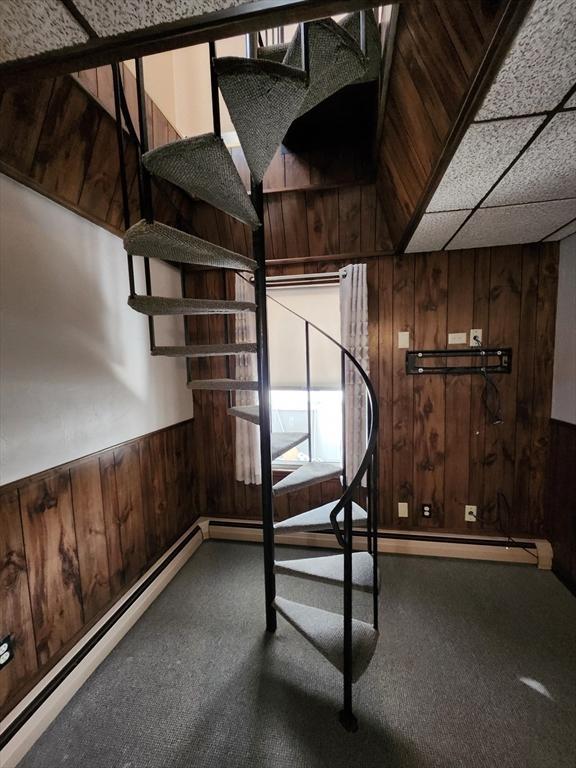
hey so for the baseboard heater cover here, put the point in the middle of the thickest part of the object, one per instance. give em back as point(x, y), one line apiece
point(453, 539)
point(18, 722)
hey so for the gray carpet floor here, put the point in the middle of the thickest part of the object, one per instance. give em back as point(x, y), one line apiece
point(476, 667)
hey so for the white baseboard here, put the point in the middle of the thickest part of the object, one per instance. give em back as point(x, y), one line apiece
point(33, 728)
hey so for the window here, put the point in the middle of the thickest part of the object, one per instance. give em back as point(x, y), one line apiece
point(320, 304)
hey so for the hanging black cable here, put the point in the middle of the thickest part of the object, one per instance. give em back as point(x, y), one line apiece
point(490, 395)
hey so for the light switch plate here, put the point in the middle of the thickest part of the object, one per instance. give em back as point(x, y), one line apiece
point(457, 338)
point(402, 509)
point(475, 332)
point(403, 339)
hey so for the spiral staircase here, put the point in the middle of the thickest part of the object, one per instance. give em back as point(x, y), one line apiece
point(265, 93)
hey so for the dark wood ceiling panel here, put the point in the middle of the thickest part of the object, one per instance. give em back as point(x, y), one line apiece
point(445, 56)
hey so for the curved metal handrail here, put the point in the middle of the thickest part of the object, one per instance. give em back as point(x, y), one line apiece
point(373, 427)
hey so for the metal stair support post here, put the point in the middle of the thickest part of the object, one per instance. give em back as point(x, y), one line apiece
point(346, 716)
point(259, 255)
point(146, 209)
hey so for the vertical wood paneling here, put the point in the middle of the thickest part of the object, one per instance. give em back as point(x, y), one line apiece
point(431, 290)
point(503, 330)
point(90, 536)
point(543, 371)
point(52, 557)
point(402, 390)
point(460, 318)
point(130, 511)
point(67, 533)
point(15, 599)
point(322, 213)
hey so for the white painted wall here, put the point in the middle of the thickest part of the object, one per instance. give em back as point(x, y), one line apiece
point(76, 375)
point(564, 388)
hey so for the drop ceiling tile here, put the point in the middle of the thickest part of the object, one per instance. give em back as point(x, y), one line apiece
point(112, 17)
point(514, 224)
point(569, 229)
point(540, 68)
point(484, 153)
point(36, 26)
point(546, 171)
point(434, 230)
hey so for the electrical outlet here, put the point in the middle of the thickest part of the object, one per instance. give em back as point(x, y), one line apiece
point(402, 509)
point(475, 332)
point(470, 513)
point(426, 510)
point(6, 651)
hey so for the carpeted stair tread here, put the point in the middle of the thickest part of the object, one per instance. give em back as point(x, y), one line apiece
point(274, 52)
point(263, 99)
point(351, 23)
point(247, 412)
point(330, 569)
point(283, 441)
point(162, 305)
point(335, 60)
point(204, 350)
point(159, 241)
point(325, 631)
point(203, 167)
point(318, 519)
point(308, 474)
point(222, 384)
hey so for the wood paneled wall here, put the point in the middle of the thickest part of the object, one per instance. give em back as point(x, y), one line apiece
point(560, 506)
point(436, 445)
point(60, 139)
point(313, 225)
point(439, 49)
point(74, 538)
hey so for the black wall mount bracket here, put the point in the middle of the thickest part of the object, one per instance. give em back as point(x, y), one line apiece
point(482, 360)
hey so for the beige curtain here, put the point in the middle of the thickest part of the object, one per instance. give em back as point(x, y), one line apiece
point(248, 468)
point(354, 336)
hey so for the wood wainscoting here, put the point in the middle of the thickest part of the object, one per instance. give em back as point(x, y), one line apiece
point(76, 537)
point(561, 501)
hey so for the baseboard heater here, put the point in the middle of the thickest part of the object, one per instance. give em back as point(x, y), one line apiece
point(490, 542)
point(83, 652)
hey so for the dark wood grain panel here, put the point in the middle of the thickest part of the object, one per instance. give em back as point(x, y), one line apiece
point(15, 599)
point(503, 330)
point(543, 371)
point(52, 557)
point(130, 510)
point(402, 435)
point(101, 176)
point(560, 512)
point(444, 58)
point(90, 536)
point(322, 215)
point(66, 142)
point(111, 516)
point(22, 114)
point(430, 315)
point(460, 320)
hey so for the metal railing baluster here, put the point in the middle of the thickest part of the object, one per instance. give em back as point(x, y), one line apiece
point(308, 393)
